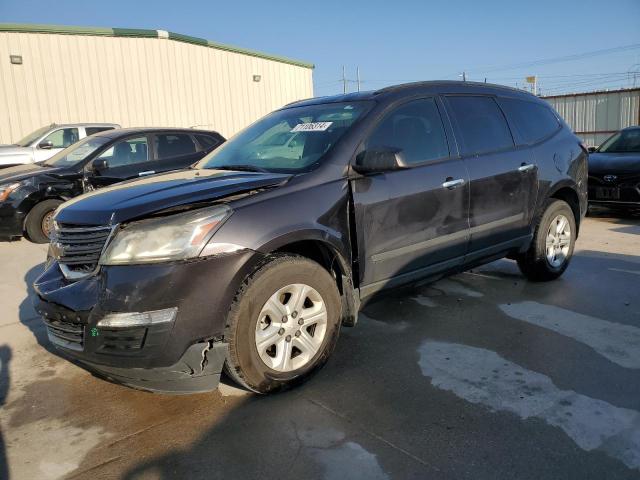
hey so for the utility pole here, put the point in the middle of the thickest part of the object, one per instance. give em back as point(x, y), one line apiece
point(464, 76)
point(358, 77)
point(344, 81)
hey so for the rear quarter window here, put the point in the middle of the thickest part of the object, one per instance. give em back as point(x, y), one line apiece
point(532, 121)
point(481, 124)
point(207, 142)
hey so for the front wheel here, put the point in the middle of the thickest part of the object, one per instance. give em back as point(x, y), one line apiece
point(283, 324)
point(553, 242)
point(39, 222)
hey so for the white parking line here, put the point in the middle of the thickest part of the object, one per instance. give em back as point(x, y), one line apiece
point(635, 272)
point(615, 341)
point(483, 377)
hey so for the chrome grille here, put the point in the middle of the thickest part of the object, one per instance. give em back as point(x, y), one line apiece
point(77, 247)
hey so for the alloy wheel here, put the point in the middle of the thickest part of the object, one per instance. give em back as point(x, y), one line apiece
point(291, 327)
point(558, 241)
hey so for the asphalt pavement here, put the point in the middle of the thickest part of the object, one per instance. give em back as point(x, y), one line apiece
point(481, 375)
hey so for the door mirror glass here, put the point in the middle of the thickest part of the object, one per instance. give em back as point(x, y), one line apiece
point(46, 145)
point(592, 149)
point(380, 159)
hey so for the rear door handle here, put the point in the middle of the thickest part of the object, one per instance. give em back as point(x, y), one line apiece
point(525, 167)
point(148, 172)
point(451, 184)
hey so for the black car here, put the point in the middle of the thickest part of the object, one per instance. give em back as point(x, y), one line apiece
point(614, 171)
point(253, 259)
point(29, 194)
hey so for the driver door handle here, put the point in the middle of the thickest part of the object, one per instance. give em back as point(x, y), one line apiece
point(525, 167)
point(148, 172)
point(451, 184)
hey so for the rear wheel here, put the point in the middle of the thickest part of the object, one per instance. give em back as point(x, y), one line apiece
point(283, 324)
point(39, 222)
point(553, 242)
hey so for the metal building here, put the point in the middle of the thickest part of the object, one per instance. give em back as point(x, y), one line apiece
point(595, 116)
point(135, 78)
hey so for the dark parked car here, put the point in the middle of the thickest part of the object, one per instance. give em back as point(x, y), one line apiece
point(253, 260)
point(614, 171)
point(29, 194)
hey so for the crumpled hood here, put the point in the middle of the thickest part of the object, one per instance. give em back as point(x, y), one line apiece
point(140, 197)
point(608, 163)
point(22, 172)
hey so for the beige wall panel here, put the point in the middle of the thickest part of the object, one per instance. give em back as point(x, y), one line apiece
point(137, 82)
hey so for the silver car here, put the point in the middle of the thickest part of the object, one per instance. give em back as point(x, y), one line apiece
point(47, 141)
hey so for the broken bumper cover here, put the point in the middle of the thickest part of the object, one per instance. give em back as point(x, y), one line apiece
point(183, 353)
point(197, 371)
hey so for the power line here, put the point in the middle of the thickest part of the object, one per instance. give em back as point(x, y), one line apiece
point(565, 58)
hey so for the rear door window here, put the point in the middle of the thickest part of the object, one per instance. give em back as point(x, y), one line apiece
point(169, 145)
point(533, 121)
point(481, 124)
point(416, 129)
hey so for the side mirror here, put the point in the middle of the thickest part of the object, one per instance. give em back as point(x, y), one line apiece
point(592, 149)
point(380, 159)
point(46, 145)
point(99, 165)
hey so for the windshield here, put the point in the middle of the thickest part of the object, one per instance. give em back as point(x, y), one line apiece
point(625, 141)
point(32, 137)
point(77, 152)
point(289, 140)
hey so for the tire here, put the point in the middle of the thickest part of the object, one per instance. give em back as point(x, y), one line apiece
point(33, 225)
point(535, 264)
point(249, 319)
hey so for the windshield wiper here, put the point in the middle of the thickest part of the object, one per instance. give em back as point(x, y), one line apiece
point(241, 168)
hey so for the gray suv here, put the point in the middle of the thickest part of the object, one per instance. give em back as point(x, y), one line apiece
point(45, 142)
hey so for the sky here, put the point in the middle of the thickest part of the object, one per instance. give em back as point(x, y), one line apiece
point(394, 41)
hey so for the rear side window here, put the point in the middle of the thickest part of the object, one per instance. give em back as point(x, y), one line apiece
point(174, 145)
point(416, 129)
point(532, 120)
point(92, 130)
point(481, 123)
point(207, 142)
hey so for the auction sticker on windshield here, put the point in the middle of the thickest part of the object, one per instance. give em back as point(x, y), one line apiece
point(311, 127)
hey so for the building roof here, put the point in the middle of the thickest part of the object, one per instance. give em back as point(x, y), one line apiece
point(143, 33)
point(593, 92)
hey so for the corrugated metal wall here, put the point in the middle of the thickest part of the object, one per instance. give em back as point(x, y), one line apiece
point(595, 116)
point(69, 78)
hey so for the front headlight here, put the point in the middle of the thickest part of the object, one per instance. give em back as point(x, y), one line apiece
point(174, 237)
point(8, 189)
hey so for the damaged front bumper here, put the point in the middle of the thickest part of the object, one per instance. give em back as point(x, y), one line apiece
point(197, 371)
point(182, 353)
